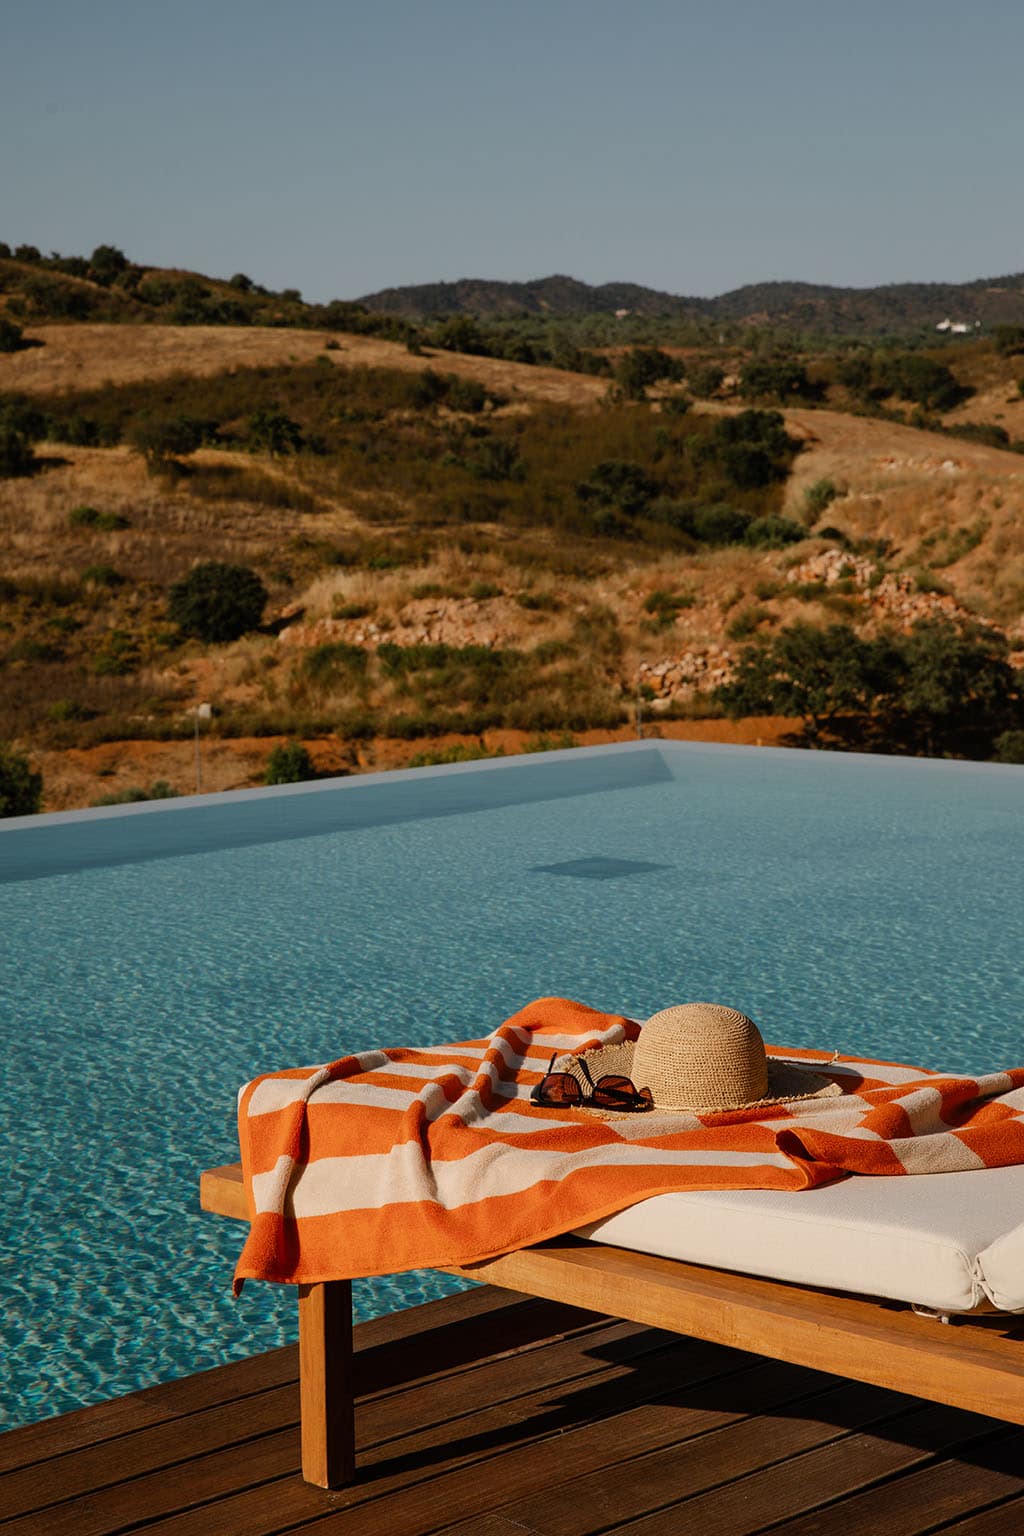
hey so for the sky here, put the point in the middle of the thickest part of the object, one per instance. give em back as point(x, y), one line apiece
point(343, 146)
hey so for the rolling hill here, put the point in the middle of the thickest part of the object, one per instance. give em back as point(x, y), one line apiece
point(896, 308)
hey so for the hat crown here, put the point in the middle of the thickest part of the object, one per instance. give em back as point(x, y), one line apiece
point(701, 1053)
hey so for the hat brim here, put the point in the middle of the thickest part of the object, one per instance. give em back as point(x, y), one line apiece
point(789, 1082)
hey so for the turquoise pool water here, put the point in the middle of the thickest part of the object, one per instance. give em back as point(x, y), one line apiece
point(864, 904)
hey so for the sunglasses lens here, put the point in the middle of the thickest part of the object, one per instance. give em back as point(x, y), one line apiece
point(619, 1093)
point(557, 1088)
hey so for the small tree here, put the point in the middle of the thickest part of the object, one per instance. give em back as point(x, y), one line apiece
point(275, 432)
point(617, 486)
point(775, 379)
point(16, 456)
point(21, 790)
point(11, 336)
point(954, 683)
point(705, 380)
point(217, 602)
point(290, 764)
point(161, 439)
point(813, 673)
point(1009, 339)
point(106, 263)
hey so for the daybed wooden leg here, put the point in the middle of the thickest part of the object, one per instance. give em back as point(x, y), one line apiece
point(325, 1383)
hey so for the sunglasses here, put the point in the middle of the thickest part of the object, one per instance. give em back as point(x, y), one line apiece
point(558, 1090)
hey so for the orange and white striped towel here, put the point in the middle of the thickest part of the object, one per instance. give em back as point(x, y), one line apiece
point(401, 1159)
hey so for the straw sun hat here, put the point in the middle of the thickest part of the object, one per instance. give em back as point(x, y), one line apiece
point(704, 1059)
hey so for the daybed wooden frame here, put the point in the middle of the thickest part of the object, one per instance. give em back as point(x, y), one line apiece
point(976, 1365)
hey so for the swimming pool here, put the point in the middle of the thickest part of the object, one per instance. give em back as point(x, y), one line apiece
point(157, 956)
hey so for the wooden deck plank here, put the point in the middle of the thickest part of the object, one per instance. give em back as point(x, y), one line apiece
point(972, 1476)
point(204, 1456)
point(389, 1349)
point(411, 1359)
point(1005, 1519)
point(603, 1426)
point(409, 1455)
point(690, 1417)
point(818, 1479)
point(681, 1470)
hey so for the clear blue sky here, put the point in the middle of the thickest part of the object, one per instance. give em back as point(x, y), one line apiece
point(693, 145)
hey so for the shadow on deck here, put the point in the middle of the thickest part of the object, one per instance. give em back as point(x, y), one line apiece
point(491, 1414)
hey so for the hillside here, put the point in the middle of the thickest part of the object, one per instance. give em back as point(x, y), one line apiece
point(108, 287)
point(461, 554)
point(809, 308)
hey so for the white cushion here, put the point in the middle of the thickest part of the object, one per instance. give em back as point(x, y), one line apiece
point(946, 1241)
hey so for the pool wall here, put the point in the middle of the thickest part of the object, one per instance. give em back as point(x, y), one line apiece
point(32, 847)
point(35, 846)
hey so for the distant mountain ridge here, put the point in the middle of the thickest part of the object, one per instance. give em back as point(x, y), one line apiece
point(814, 307)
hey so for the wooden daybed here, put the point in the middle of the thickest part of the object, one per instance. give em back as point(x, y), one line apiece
point(978, 1364)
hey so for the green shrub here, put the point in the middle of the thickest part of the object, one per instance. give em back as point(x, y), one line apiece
point(720, 524)
point(289, 764)
point(773, 532)
point(548, 743)
point(465, 395)
point(458, 752)
point(676, 405)
point(21, 790)
point(275, 433)
point(987, 432)
point(539, 602)
point(497, 460)
point(102, 576)
point(1009, 747)
point(351, 610)
point(817, 497)
point(924, 581)
point(327, 664)
point(158, 790)
point(217, 602)
point(28, 648)
point(666, 605)
point(746, 622)
point(65, 710)
point(92, 517)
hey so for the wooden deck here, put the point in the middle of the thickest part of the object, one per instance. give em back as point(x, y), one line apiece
point(489, 1414)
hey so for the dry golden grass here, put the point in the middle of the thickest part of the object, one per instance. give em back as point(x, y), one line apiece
point(920, 491)
point(88, 356)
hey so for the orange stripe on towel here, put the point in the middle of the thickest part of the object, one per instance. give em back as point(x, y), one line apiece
point(411, 1158)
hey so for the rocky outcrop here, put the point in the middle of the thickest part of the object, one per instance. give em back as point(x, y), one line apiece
point(891, 594)
point(454, 621)
point(683, 677)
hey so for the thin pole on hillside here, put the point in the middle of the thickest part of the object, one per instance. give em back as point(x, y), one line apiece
point(201, 712)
